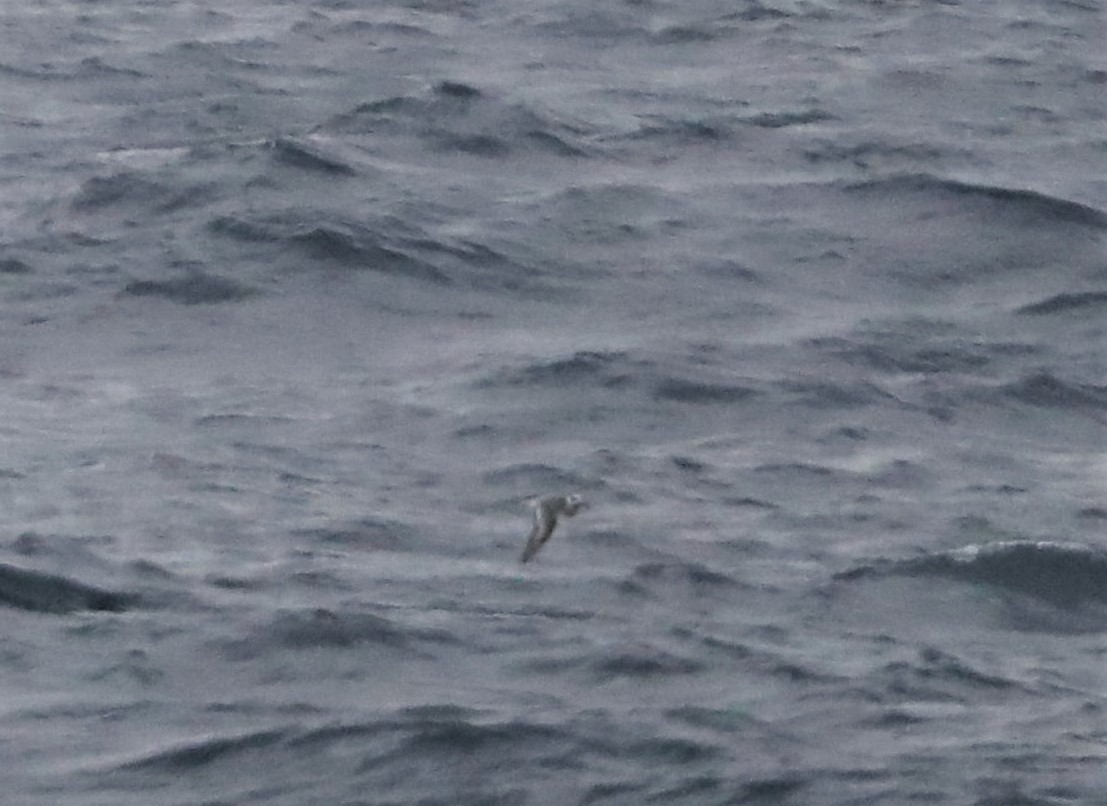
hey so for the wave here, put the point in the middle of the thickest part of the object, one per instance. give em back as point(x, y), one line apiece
point(405, 745)
point(457, 117)
point(691, 576)
point(932, 676)
point(1064, 575)
point(384, 245)
point(13, 265)
point(358, 246)
point(369, 533)
point(1045, 390)
point(900, 352)
point(534, 475)
point(190, 756)
point(682, 132)
point(1026, 204)
point(198, 288)
point(322, 629)
point(623, 372)
point(1061, 304)
point(780, 120)
point(582, 367)
point(682, 390)
point(133, 190)
point(309, 157)
point(641, 662)
point(47, 593)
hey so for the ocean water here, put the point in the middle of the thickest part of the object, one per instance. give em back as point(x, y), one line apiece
point(299, 301)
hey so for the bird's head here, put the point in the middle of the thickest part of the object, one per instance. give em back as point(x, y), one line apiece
point(573, 504)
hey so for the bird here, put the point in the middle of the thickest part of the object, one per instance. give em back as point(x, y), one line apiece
point(547, 509)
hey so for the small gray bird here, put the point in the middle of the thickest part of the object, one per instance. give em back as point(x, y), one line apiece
point(546, 512)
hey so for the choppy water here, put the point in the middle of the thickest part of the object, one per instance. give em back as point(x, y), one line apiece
point(299, 300)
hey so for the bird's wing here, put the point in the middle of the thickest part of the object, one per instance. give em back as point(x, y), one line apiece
point(544, 524)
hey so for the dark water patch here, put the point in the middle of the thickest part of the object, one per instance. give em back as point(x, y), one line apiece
point(191, 757)
point(780, 120)
point(747, 501)
point(198, 288)
point(694, 789)
point(540, 477)
point(356, 246)
point(587, 368)
point(935, 676)
point(1064, 575)
point(321, 629)
point(243, 230)
point(613, 791)
point(1063, 304)
point(898, 352)
point(321, 580)
point(456, 89)
point(893, 719)
point(753, 11)
point(94, 66)
point(135, 667)
point(770, 790)
point(665, 750)
point(12, 265)
point(688, 34)
point(328, 736)
point(232, 419)
point(47, 593)
point(851, 433)
point(1045, 390)
point(874, 153)
point(752, 660)
point(235, 583)
point(729, 270)
point(900, 474)
point(1016, 203)
point(455, 116)
point(796, 470)
point(644, 662)
point(938, 663)
point(136, 192)
point(394, 246)
point(106, 191)
point(478, 145)
point(33, 544)
point(694, 576)
point(823, 394)
point(558, 145)
point(795, 672)
point(684, 132)
point(681, 390)
point(593, 25)
point(436, 736)
point(997, 489)
point(148, 569)
point(373, 534)
point(688, 464)
point(44, 71)
point(722, 720)
point(613, 214)
point(309, 157)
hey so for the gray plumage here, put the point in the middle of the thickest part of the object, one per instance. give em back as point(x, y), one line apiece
point(546, 512)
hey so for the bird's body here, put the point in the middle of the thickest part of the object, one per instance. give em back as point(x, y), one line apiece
point(547, 510)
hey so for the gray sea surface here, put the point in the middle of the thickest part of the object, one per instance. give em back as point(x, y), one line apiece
point(299, 301)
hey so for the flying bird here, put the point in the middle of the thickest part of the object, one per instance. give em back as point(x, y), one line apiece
point(547, 510)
